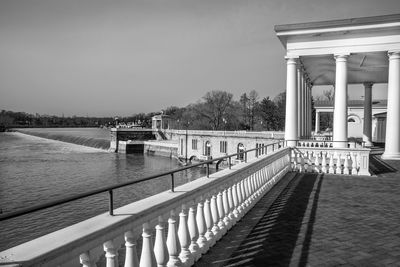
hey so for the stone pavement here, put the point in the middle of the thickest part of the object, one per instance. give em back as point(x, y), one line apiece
point(319, 220)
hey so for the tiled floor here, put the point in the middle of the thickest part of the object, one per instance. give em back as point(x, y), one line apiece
point(319, 220)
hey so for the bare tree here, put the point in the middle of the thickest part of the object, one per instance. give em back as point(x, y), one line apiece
point(214, 107)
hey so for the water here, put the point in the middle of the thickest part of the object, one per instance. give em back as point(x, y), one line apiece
point(34, 170)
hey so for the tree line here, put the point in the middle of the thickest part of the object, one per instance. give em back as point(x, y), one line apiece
point(216, 110)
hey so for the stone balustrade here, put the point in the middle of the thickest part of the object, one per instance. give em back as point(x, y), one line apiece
point(183, 224)
point(323, 143)
point(321, 159)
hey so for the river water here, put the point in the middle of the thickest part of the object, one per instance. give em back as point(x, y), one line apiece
point(35, 170)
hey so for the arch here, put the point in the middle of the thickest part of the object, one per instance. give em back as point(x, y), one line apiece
point(192, 158)
point(218, 163)
point(353, 118)
point(207, 148)
point(240, 150)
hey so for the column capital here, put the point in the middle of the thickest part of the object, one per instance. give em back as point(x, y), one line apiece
point(341, 57)
point(394, 54)
point(291, 60)
point(368, 84)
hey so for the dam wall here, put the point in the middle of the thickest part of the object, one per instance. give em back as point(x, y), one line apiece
point(78, 140)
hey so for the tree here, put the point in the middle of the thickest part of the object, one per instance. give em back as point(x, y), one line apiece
point(280, 102)
point(214, 107)
point(268, 114)
point(249, 104)
point(326, 119)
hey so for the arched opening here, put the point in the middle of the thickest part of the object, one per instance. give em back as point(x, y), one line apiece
point(207, 149)
point(240, 151)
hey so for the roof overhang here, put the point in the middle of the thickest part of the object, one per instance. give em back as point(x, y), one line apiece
point(366, 40)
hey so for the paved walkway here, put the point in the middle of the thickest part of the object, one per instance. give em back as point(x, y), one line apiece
point(319, 220)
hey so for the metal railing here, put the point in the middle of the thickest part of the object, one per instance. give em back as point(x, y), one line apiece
point(110, 189)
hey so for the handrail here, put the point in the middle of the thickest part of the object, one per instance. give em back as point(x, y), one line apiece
point(110, 188)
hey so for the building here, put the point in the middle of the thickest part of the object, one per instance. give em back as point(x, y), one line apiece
point(341, 52)
point(355, 117)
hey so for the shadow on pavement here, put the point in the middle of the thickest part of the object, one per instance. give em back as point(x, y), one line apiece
point(272, 241)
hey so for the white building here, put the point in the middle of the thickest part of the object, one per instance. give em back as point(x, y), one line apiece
point(355, 117)
point(341, 52)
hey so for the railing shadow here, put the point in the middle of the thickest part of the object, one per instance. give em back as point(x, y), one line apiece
point(378, 166)
point(273, 240)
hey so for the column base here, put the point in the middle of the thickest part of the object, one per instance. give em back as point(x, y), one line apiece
point(391, 156)
point(368, 144)
point(291, 143)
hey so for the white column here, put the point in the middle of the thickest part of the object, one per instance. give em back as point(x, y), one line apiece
point(316, 121)
point(303, 107)
point(307, 111)
point(310, 110)
point(291, 102)
point(340, 112)
point(299, 104)
point(367, 131)
point(392, 146)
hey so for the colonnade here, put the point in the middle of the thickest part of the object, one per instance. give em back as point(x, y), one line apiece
point(298, 105)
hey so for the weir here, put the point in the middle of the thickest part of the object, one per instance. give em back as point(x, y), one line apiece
point(78, 140)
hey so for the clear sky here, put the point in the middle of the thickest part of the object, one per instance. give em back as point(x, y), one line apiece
point(107, 58)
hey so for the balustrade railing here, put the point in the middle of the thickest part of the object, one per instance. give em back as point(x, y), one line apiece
point(345, 161)
point(183, 224)
point(326, 143)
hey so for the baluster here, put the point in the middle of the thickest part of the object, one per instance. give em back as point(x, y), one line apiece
point(302, 163)
point(316, 166)
point(184, 238)
point(324, 169)
point(354, 165)
point(261, 178)
point(331, 164)
point(131, 257)
point(294, 162)
point(86, 260)
point(246, 195)
point(194, 233)
point(231, 205)
point(160, 246)
point(111, 254)
point(306, 162)
point(215, 217)
point(346, 165)
point(221, 214)
point(209, 223)
point(250, 180)
point(227, 211)
point(147, 257)
point(250, 183)
point(202, 227)
point(172, 242)
point(338, 165)
point(239, 206)
point(243, 194)
point(235, 202)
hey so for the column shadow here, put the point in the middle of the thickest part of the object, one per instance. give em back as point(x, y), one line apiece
point(273, 240)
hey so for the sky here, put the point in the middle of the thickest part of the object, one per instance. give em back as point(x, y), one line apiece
point(109, 58)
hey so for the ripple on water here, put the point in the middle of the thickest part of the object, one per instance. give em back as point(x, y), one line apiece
point(36, 170)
